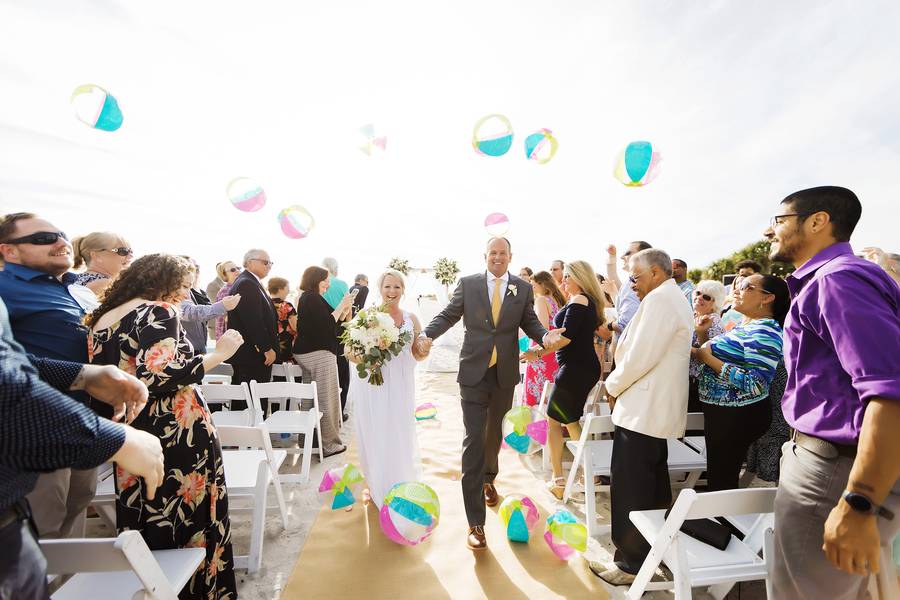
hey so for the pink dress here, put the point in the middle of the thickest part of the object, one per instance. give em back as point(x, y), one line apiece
point(544, 369)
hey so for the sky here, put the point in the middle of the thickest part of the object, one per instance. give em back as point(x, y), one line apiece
point(747, 101)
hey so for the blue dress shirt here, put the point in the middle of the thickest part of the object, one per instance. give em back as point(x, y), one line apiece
point(44, 316)
point(41, 429)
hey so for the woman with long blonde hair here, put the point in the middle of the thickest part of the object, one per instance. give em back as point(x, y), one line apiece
point(104, 255)
point(579, 367)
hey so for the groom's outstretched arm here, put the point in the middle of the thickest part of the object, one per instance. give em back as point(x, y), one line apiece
point(448, 317)
point(530, 323)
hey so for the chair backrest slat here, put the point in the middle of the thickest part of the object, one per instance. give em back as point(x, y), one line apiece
point(283, 389)
point(224, 393)
point(595, 424)
point(732, 502)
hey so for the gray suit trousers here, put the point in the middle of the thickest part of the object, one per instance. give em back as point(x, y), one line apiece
point(483, 407)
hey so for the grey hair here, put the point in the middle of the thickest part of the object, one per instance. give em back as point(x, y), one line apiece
point(713, 289)
point(360, 277)
point(251, 254)
point(331, 265)
point(651, 257)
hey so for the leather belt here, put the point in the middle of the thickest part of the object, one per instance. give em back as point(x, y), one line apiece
point(821, 447)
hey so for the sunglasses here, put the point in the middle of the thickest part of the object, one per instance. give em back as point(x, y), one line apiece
point(699, 294)
point(121, 251)
point(268, 263)
point(746, 285)
point(234, 270)
point(41, 238)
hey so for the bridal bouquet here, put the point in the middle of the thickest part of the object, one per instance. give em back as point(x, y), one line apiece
point(371, 339)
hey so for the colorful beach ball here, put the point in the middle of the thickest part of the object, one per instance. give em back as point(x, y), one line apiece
point(496, 224)
point(637, 164)
point(96, 107)
point(519, 515)
point(426, 411)
point(296, 222)
point(524, 429)
point(245, 194)
point(410, 513)
point(338, 485)
point(565, 535)
point(541, 146)
point(492, 136)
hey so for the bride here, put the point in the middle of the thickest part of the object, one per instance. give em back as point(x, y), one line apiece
point(385, 414)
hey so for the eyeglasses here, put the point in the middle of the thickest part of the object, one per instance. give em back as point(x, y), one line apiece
point(268, 263)
point(779, 219)
point(234, 270)
point(746, 285)
point(634, 278)
point(699, 294)
point(41, 238)
point(121, 251)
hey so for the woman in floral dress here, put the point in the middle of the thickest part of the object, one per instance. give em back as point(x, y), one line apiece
point(137, 328)
point(547, 301)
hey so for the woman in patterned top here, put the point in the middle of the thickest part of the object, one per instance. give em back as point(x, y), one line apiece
point(287, 318)
point(104, 255)
point(548, 299)
point(707, 300)
point(739, 366)
point(138, 329)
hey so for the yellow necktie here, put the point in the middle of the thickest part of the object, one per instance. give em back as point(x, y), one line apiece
point(495, 313)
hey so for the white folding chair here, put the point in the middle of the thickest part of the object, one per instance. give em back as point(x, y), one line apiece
point(104, 501)
point(248, 473)
point(224, 394)
point(694, 563)
point(593, 405)
point(120, 567)
point(292, 374)
point(293, 420)
point(594, 456)
point(695, 421)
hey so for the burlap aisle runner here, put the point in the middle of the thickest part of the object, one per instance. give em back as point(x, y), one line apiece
point(346, 556)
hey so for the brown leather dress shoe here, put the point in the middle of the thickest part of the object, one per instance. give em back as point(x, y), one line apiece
point(490, 495)
point(476, 539)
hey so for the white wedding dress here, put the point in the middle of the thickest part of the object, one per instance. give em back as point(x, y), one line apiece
point(386, 423)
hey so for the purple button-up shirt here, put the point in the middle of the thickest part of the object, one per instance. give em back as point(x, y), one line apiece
point(841, 343)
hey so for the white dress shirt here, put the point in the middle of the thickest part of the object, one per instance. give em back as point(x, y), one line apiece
point(504, 282)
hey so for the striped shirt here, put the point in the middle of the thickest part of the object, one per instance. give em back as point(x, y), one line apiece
point(751, 353)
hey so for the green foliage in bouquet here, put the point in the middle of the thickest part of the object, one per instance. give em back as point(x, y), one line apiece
point(371, 339)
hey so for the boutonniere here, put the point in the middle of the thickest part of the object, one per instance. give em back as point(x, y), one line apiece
point(511, 289)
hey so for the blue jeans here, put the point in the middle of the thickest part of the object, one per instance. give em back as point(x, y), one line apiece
point(23, 569)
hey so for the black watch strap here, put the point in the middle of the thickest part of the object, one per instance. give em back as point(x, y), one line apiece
point(862, 503)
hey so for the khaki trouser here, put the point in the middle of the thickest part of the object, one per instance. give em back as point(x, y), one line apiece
point(59, 499)
point(809, 487)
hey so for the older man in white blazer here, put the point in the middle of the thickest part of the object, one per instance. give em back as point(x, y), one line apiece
point(649, 392)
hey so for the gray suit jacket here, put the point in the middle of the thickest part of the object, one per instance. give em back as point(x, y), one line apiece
point(470, 303)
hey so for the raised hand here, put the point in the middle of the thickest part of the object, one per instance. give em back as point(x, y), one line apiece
point(230, 302)
point(228, 344)
point(703, 323)
point(611, 250)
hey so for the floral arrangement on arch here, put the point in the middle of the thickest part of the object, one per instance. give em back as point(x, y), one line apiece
point(399, 264)
point(445, 271)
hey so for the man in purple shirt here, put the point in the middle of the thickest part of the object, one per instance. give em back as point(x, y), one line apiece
point(838, 496)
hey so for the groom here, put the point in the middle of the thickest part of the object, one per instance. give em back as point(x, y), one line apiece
point(493, 306)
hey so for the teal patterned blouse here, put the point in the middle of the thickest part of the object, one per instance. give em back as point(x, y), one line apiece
point(751, 352)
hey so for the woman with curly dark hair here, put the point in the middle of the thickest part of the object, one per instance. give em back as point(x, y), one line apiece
point(137, 328)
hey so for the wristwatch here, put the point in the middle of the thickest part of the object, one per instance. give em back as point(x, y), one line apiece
point(862, 503)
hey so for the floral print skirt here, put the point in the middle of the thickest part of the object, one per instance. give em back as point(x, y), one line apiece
point(190, 509)
point(537, 373)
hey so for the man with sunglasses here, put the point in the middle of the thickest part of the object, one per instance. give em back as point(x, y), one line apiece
point(839, 491)
point(47, 321)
